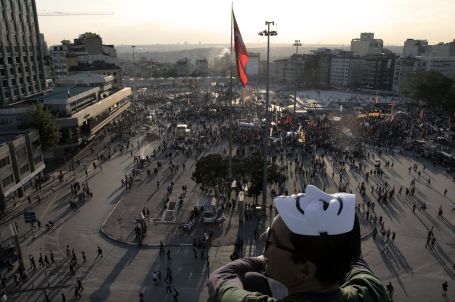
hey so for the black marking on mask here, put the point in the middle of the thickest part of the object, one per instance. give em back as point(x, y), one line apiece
point(341, 205)
point(297, 205)
point(325, 204)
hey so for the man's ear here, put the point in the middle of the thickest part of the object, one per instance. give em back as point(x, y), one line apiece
point(307, 270)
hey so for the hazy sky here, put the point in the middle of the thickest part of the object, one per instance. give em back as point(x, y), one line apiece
point(208, 21)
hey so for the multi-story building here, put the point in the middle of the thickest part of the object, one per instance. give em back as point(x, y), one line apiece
point(21, 160)
point(184, 67)
point(21, 58)
point(413, 48)
point(442, 50)
point(87, 53)
point(311, 71)
point(277, 71)
point(344, 70)
point(84, 103)
point(405, 67)
point(366, 45)
point(201, 67)
point(101, 68)
point(59, 58)
point(324, 56)
point(295, 69)
point(376, 71)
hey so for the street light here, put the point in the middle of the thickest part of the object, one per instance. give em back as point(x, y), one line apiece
point(267, 33)
point(134, 72)
point(296, 44)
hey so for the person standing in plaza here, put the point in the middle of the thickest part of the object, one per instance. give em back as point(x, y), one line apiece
point(444, 289)
point(175, 295)
point(168, 286)
point(389, 289)
point(100, 252)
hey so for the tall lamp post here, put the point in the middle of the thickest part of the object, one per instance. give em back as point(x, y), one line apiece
point(134, 72)
point(296, 44)
point(267, 33)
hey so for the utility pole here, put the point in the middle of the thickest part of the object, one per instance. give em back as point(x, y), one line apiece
point(296, 44)
point(267, 33)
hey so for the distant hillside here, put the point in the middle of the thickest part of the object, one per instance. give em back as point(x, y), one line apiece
point(175, 52)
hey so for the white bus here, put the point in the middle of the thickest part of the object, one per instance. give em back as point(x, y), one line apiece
point(182, 131)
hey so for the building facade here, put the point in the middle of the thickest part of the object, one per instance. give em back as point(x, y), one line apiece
point(184, 67)
point(86, 53)
point(405, 67)
point(414, 48)
point(21, 160)
point(344, 70)
point(84, 103)
point(21, 59)
point(377, 71)
point(201, 67)
point(367, 45)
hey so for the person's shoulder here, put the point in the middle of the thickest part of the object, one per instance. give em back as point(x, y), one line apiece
point(240, 295)
point(361, 281)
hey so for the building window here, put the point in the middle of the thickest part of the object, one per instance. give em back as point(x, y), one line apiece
point(37, 160)
point(24, 169)
point(7, 181)
point(22, 152)
point(4, 162)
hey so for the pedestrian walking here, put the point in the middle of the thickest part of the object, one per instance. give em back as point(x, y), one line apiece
point(154, 277)
point(51, 253)
point(77, 295)
point(168, 286)
point(63, 297)
point(79, 285)
point(440, 212)
point(175, 295)
point(389, 289)
point(141, 297)
point(46, 295)
point(169, 255)
point(444, 289)
point(100, 252)
point(84, 257)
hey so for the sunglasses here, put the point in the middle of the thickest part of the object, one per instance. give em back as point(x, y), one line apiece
point(274, 244)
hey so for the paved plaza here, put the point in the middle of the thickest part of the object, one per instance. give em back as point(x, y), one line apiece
point(108, 219)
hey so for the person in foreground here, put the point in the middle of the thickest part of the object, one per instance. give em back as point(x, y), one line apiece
point(312, 247)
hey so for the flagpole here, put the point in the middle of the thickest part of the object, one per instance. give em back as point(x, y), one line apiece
point(230, 102)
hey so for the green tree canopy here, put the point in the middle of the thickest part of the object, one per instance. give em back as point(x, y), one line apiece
point(432, 87)
point(38, 117)
point(211, 171)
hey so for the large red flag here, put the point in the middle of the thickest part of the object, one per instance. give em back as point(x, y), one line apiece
point(241, 56)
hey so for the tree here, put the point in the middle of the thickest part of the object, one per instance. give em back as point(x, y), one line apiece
point(38, 117)
point(210, 170)
point(448, 102)
point(432, 87)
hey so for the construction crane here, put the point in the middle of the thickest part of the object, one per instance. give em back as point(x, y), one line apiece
point(61, 14)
